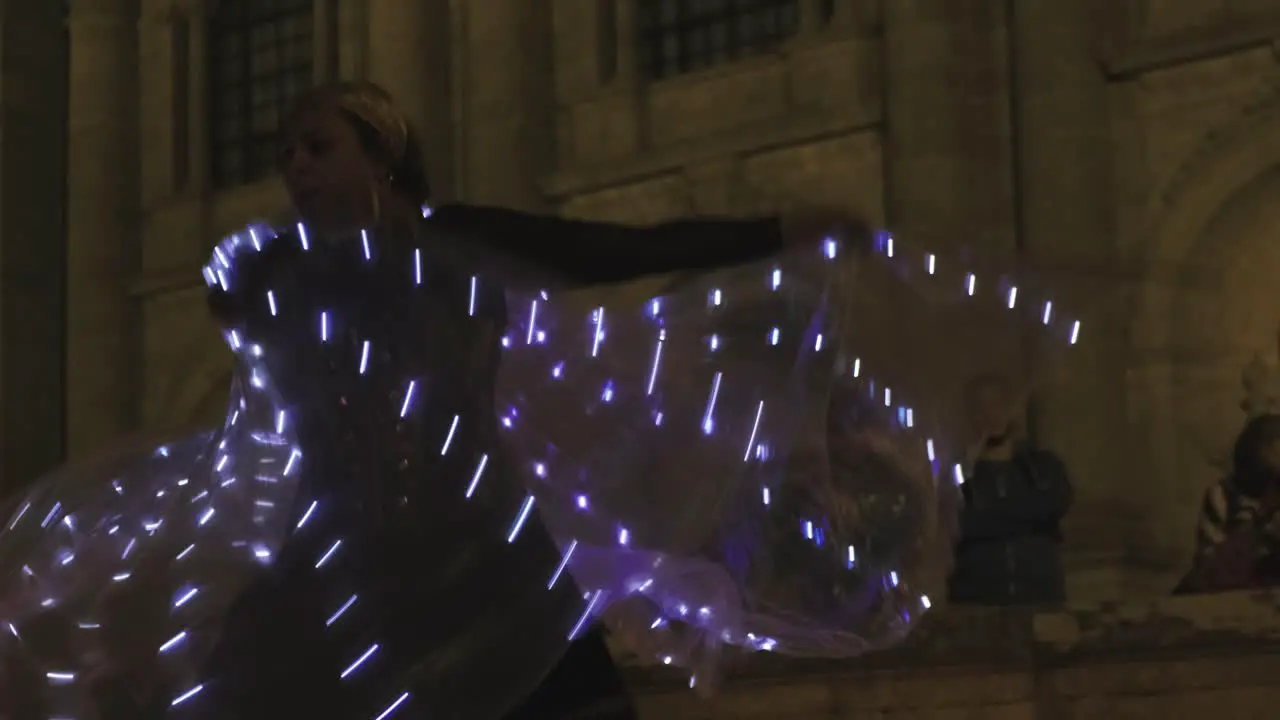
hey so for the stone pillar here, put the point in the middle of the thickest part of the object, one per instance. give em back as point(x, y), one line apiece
point(32, 255)
point(509, 103)
point(576, 25)
point(409, 53)
point(858, 16)
point(352, 38)
point(200, 170)
point(627, 62)
point(102, 223)
point(947, 150)
point(812, 18)
point(1067, 226)
point(324, 31)
point(715, 187)
point(948, 171)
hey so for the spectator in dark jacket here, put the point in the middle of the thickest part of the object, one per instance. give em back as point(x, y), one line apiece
point(1015, 498)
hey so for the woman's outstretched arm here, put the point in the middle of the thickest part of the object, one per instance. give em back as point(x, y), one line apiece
point(541, 250)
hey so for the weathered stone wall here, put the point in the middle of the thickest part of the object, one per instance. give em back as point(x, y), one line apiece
point(1194, 103)
point(1130, 148)
point(1202, 657)
point(33, 262)
point(1127, 148)
point(1130, 132)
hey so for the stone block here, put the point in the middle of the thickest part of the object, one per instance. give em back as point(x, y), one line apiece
point(1111, 660)
point(602, 128)
point(686, 108)
point(646, 201)
point(834, 76)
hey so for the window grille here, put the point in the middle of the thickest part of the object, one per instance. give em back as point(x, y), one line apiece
point(262, 59)
point(683, 36)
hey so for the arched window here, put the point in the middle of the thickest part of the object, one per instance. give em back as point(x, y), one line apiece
point(681, 36)
point(262, 58)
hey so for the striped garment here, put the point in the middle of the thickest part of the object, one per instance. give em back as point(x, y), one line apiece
point(1224, 509)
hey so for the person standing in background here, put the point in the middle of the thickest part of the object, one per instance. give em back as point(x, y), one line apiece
point(1015, 497)
point(1238, 535)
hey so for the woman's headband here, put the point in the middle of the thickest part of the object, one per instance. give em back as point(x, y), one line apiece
point(373, 107)
point(380, 114)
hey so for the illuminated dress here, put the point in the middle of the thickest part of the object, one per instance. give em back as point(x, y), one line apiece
point(376, 509)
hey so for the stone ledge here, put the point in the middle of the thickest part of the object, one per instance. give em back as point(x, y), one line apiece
point(1204, 43)
point(1034, 642)
point(761, 137)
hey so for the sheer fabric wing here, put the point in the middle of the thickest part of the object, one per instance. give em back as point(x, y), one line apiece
point(679, 446)
point(722, 467)
point(929, 321)
point(125, 566)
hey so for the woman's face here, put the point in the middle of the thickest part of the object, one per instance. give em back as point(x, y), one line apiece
point(327, 172)
point(992, 409)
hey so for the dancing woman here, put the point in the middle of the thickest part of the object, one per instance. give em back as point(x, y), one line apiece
point(350, 163)
point(361, 539)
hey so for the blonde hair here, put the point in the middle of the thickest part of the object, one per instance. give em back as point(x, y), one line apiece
point(384, 130)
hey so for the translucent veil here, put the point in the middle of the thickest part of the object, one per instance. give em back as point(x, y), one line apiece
point(762, 458)
point(123, 566)
point(765, 458)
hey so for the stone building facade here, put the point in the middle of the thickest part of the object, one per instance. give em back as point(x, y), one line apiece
point(33, 144)
point(1129, 147)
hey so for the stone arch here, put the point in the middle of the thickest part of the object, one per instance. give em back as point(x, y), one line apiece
point(1194, 320)
point(1222, 312)
point(1224, 163)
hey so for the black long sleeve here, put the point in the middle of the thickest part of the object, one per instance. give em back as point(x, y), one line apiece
point(554, 251)
point(589, 253)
